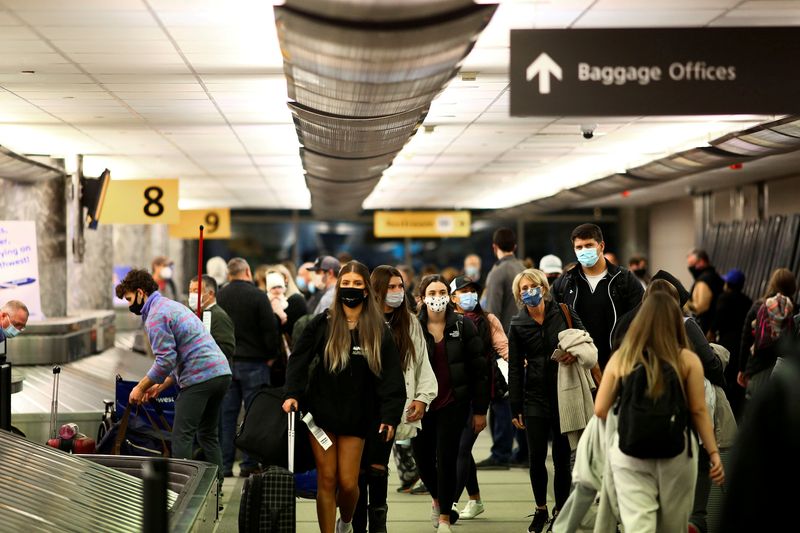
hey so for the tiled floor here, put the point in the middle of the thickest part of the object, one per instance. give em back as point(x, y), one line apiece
point(506, 494)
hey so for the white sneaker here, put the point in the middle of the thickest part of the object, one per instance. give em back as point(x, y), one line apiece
point(444, 527)
point(471, 510)
point(435, 517)
point(343, 527)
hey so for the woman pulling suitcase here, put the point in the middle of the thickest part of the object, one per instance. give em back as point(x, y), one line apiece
point(343, 360)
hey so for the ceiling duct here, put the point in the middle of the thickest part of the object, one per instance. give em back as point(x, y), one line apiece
point(362, 74)
point(345, 188)
point(771, 138)
point(367, 11)
point(355, 137)
point(366, 72)
point(358, 99)
point(757, 142)
point(788, 126)
point(16, 167)
point(685, 163)
point(338, 169)
point(610, 185)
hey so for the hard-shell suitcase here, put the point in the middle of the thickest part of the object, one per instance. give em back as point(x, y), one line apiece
point(69, 438)
point(268, 499)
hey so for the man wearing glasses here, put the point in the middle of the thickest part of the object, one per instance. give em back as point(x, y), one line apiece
point(13, 318)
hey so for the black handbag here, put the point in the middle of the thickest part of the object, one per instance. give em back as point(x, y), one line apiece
point(264, 429)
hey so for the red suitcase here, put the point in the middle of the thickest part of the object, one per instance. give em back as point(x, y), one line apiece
point(69, 437)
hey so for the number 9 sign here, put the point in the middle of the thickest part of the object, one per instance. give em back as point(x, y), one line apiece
point(217, 223)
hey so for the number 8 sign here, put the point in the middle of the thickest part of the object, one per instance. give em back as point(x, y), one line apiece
point(141, 202)
point(217, 224)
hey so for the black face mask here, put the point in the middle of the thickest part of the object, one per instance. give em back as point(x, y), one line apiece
point(694, 271)
point(136, 306)
point(640, 272)
point(351, 296)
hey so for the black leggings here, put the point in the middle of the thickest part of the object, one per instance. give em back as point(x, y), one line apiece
point(539, 430)
point(467, 476)
point(436, 451)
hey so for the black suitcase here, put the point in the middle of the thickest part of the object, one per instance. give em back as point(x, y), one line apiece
point(268, 499)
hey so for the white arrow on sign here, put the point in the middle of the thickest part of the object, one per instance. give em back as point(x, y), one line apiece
point(544, 67)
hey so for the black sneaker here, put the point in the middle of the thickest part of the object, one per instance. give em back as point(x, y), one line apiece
point(539, 521)
point(406, 487)
point(552, 521)
point(490, 463)
point(419, 489)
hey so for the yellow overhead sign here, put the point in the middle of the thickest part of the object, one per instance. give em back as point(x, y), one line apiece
point(140, 202)
point(216, 224)
point(388, 224)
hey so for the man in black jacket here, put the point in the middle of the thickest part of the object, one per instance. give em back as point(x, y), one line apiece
point(257, 348)
point(599, 291)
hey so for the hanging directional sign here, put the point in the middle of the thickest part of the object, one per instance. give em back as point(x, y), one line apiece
point(141, 202)
point(398, 224)
point(676, 71)
point(216, 224)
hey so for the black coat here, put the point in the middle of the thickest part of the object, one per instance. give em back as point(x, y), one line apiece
point(532, 387)
point(257, 336)
point(465, 357)
point(343, 402)
point(624, 289)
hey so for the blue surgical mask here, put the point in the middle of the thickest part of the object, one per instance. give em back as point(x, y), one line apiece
point(587, 257)
point(473, 272)
point(301, 282)
point(468, 301)
point(532, 297)
point(10, 332)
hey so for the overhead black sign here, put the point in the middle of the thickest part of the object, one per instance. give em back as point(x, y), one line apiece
point(682, 71)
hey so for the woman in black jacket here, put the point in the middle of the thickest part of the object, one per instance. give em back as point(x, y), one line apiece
point(456, 355)
point(342, 361)
point(532, 384)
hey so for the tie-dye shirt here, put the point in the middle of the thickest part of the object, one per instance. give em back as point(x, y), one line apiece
point(181, 344)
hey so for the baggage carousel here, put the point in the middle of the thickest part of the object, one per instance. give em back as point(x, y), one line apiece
point(45, 489)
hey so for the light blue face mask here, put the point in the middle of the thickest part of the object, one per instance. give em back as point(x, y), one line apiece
point(395, 299)
point(10, 332)
point(301, 282)
point(472, 272)
point(587, 257)
point(532, 297)
point(468, 301)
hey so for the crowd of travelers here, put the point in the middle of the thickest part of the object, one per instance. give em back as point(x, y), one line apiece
point(561, 359)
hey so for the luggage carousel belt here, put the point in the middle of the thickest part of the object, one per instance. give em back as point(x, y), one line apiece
point(44, 489)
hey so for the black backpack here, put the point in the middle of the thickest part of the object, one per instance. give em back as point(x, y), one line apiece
point(652, 428)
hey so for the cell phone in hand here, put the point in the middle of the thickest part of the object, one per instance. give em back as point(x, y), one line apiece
point(384, 433)
point(558, 355)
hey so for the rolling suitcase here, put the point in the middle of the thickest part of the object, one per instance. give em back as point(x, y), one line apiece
point(69, 437)
point(268, 499)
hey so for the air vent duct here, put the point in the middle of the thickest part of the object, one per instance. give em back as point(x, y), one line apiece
point(362, 75)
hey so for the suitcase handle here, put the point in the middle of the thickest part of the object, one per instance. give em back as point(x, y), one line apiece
point(290, 447)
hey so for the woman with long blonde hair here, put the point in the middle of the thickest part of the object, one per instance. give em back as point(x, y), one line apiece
point(345, 359)
point(653, 494)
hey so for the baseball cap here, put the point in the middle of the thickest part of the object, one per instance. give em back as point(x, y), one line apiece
point(734, 277)
point(550, 264)
point(325, 263)
point(459, 282)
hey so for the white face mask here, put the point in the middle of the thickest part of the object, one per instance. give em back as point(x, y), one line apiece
point(193, 301)
point(395, 299)
point(166, 273)
point(437, 304)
